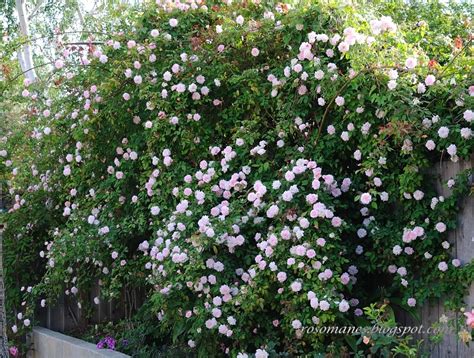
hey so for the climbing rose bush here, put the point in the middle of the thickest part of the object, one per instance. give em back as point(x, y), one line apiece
point(257, 168)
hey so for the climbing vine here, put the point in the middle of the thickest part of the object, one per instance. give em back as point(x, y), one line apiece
point(257, 168)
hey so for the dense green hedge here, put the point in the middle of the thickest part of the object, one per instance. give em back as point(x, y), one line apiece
point(257, 168)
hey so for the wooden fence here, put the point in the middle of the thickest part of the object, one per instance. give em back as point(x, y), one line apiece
point(462, 243)
point(66, 316)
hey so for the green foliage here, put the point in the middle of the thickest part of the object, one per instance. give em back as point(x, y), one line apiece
point(228, 142)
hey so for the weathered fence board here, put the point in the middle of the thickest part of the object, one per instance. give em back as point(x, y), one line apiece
point(66, 316)
point(462, 241)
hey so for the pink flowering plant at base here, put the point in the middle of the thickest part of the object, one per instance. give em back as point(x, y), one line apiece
point(254, 170)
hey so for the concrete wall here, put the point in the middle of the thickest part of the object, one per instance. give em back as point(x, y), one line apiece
point(50, 344)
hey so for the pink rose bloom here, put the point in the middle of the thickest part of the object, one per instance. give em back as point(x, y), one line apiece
point(286, 234)
point(343, 47)
point(411, 302)
point(336, 221)
point(470, 318)
point(418, 195)
point(173, 22)
point(419, 231)
point(311, 253)
point(296, 324)
point(452, 150)
point(59, 64)
point(296, 286)
point(321, 242)
point(443, 132)
point(300, 250)
point(281, 276)
point(365, 198)
point(440, 227)
point(14, 351)
point(343, 306)
point(272, 240)
point(410, 63)
point(137, 79)
point(211, 323)
point(302, 90)
point(324, 305)
point(67, 170)
point(392, 269)
point(468, 115)
point(430, 145)
point(272, 211)
point(443, 266)
point(430, 80)
point(331, 129)
point(340, 101)
point(216, 312)
point(345, 278)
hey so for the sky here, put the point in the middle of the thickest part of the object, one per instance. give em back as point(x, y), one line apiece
point(88, 5)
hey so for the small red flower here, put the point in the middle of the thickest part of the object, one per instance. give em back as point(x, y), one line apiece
point(433, 63)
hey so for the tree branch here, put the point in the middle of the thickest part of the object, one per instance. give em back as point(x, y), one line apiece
point(83, 43)
point(79, 14)
point(31, 69)
point(35, 10)
point(60, 33)
point(24, 30)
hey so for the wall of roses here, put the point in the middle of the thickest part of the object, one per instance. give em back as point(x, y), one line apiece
point(255, 168)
